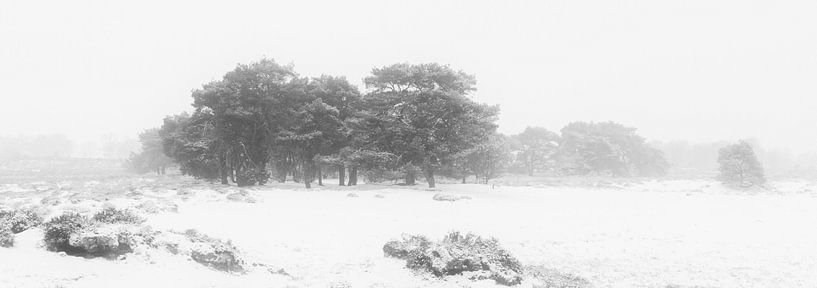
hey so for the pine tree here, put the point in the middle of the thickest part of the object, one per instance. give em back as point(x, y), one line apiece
point(739, 166)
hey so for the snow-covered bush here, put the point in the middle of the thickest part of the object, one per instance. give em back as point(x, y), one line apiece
point(214, 253)
point(105, 236)
point(153, 207)
point(479, 258)
point(251, 177)
point(541, 277)
point(450, 197)
point(6, 236)
point(112, 215)
point(101, 241)
point(340, 284)
point(21, 219)
point(58, 232)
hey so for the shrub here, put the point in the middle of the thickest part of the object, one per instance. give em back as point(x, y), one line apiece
point(21, 219)
point(220, 256)
point(112, 215)
point(450, 197)
point(6, 236)
point(549, 278)
point(78, 235)
point(482, 258)
point(58, 232)
point(250, 177)
point(101, 241)
point(214, 253)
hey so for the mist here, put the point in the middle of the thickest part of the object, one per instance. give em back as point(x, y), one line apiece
point(697, 71)
point(427, 143)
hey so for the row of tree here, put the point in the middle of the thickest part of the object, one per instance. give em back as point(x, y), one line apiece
point(583, 148)
point(263, 120)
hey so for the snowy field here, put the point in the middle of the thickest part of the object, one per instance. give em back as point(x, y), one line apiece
point(670, 233)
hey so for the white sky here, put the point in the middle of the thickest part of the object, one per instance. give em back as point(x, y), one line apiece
point(694, 70)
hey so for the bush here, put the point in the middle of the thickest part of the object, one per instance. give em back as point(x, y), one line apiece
point(215, 253)
point(78, 235)
point(58, 232)
point(6, 236)
point(112, 215)
point(250, 177)
point(450, 197)
point(549, 278)
point(457, 254)
point(21, 219)
point(101, 241)
point(379, 175)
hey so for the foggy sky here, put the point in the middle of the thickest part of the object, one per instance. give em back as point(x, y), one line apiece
point(693, 70)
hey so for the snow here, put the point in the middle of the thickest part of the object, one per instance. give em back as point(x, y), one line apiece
point(640, 234)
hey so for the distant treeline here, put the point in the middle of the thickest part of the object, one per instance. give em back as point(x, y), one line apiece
point(697, 158)
point(62, 146)
point(39, 146)
point(262, 120)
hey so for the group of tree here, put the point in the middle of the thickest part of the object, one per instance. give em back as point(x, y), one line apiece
point(586, 148)
point(151, 158)
point(36, 146)
point(262, 120)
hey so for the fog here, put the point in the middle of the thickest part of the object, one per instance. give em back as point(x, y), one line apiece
point(698, 71)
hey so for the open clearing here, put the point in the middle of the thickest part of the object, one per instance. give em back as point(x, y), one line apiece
point(650, 234)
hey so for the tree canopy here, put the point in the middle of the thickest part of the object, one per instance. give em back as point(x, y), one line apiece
point(263, 119)
point(739, 166)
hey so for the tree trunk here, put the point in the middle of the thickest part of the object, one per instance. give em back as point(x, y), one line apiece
point(429, 174)
point(530, 169)
point(282, 173)
point(463, 179)
point(320, 175)
point(222, 171)
point(341, 175)
point(296, 173)
point(308, 175)
point(352, 176)
point(411, 175)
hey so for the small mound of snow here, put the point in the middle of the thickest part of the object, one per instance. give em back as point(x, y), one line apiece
point(450, 197)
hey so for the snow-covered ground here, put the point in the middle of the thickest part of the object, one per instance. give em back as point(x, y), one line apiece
point(640, 234)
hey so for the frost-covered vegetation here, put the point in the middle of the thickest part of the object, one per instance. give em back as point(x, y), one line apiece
point(16, 221)
point(739, 166)
point(19, 220)
point(563, 231)
point(112, 215)
point(262, 121)
point(6, 236)
point(564, 205)
point(458, 254)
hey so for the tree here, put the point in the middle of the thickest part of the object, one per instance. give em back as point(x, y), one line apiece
point(421, 114)
point(537, 146)
point(739, 166)
point(316, 127)
point(488, 159)
point(338, 93)
point(607, 148)
point(151, 157)
point(248, 106)
point(190, 141)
